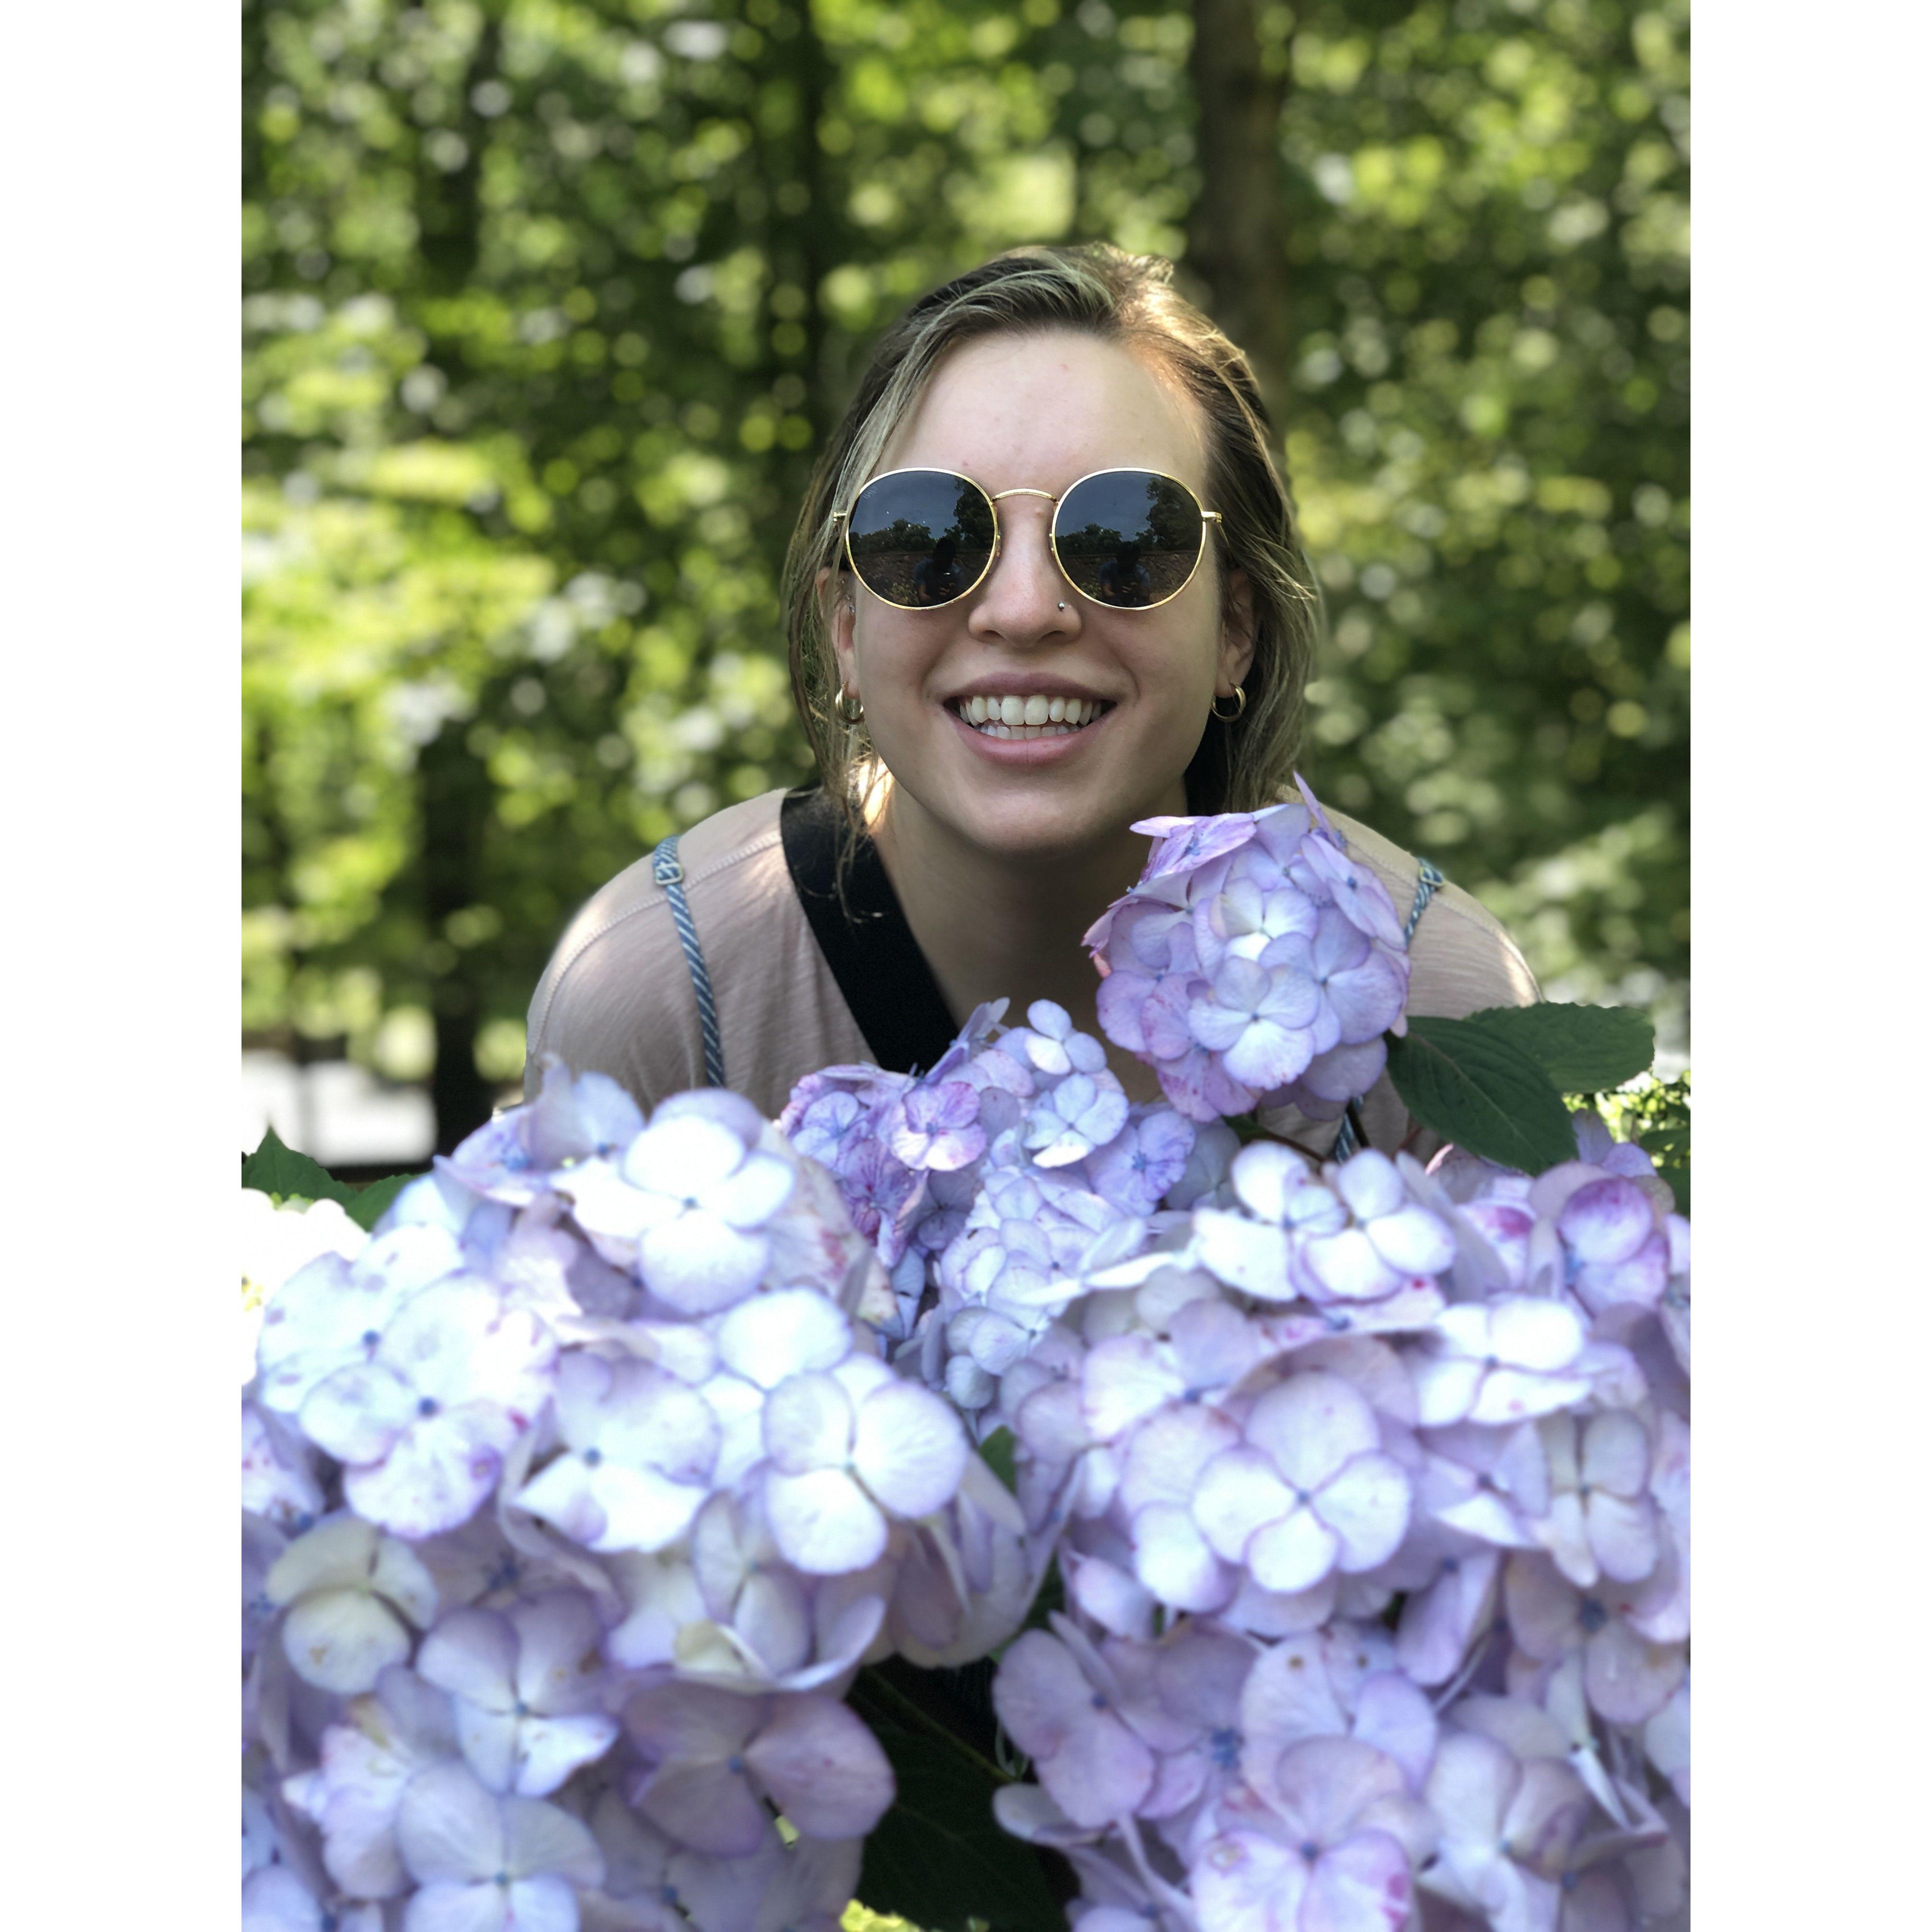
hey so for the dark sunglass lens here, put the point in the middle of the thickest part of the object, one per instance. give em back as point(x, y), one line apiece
point(1128, 537)
point(921, 537)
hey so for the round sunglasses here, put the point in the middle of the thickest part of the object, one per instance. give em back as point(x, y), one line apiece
point(1130, 539)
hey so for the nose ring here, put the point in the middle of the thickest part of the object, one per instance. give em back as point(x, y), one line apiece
point(1063, 607)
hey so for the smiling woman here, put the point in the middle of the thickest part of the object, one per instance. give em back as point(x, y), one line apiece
point(1046, 583)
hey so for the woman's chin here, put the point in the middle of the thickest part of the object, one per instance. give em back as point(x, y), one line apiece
point(1032, 825)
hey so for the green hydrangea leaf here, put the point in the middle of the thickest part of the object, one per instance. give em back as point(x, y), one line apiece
point(938, 1857)
point(1582, 1049)
point(366, 1208)
point(1476, 1087)
point(278, 1169)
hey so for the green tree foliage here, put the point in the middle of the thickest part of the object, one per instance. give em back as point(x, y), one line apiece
point(548, 302)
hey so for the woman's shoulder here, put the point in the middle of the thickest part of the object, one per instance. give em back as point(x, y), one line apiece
point(1461, 957)
point(732, 851)
point(618, 972)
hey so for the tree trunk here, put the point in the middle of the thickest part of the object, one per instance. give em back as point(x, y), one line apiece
point(453, 790)
point(1237, 230)
point(449, 206)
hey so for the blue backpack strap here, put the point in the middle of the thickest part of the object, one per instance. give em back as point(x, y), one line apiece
point(1427, 880)
point(669, 873)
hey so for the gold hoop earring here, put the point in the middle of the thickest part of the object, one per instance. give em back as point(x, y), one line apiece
point(1229, 717)
point(851, 709)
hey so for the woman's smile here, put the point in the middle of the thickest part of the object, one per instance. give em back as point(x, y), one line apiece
point(1027, 718)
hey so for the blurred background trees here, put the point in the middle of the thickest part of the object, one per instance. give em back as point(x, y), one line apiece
point(548, 302)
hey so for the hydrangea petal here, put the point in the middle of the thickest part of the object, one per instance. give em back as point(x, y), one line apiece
point(342, 1640)
point(1529, 1332)
point(1289, 1695)
point(771, 1337)
point(824, 1522)
point(698, 1265)
point(824, 1768)
point(1629, 1680)
point(448, 1828)
point(560, 1492)
point(455, 1906)
point(1349, 1265)
point(1446, 1388)
point(357, 1413)
point(1174, 1560)
point(542, 1838)
point(682, 1156)
point(761, 1185)
point(1362, 1885)
point(909, 1451)
point(640, 1508)
point(1247, 1255)
point(809, 1424)
point(1125, 1380)
point(705, 1806)
point(1513, 1395)
point(1395, 1717)
point(472, 1654)
point(1238, 1492)
point(1606, 1222)
point(1167, 1453)
point(691, 1722)
point(1294, 1552)
point(1310, 1425)
point(653, 1420)
point(1623, 1535)
point(1414, 1241)
point(434, 1477)
point(1366, 1505)
point(1245, 1882)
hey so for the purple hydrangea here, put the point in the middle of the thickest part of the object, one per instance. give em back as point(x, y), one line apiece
point(1254, 955)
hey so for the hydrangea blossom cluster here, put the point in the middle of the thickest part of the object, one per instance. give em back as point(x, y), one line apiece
point(1256, 962)
point(991, 1183)
point(573, 1499)
point(1368, 1484)
point(1371, 1488)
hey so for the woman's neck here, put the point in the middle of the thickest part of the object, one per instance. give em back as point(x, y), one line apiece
point(992, 926)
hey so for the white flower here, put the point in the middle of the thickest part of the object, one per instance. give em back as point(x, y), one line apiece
point(455, 1379)
point(1310, 1491)
point(639, 1448)
point(846, 1450)
point(688, 1202)
point(279, 1242)
point(350, 1593)
point(367, 1763)
point(1601, 1521)
point(278, 1474)
point(1501, 1360)
point(526, 1685)
point(488, 1863)
point(331, 1314)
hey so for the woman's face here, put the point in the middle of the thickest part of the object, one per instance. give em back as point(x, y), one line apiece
point(1038, 412)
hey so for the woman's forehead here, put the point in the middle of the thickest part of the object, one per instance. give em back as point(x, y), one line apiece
point(1036, 411)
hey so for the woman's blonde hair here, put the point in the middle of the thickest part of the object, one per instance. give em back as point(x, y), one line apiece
point(1099, 290)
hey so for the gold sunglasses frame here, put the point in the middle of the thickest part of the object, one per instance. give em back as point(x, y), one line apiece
point(844, 519)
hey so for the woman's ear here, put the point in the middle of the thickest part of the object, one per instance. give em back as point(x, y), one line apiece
point(837, 608)
point(1238, 634)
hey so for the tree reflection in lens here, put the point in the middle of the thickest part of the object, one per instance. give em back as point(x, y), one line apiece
point(1127, 538)
point(921, 538)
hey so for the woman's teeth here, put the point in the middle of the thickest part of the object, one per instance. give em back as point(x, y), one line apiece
point(1034, 717)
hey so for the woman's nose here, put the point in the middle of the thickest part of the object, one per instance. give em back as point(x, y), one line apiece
point(1025, 598)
